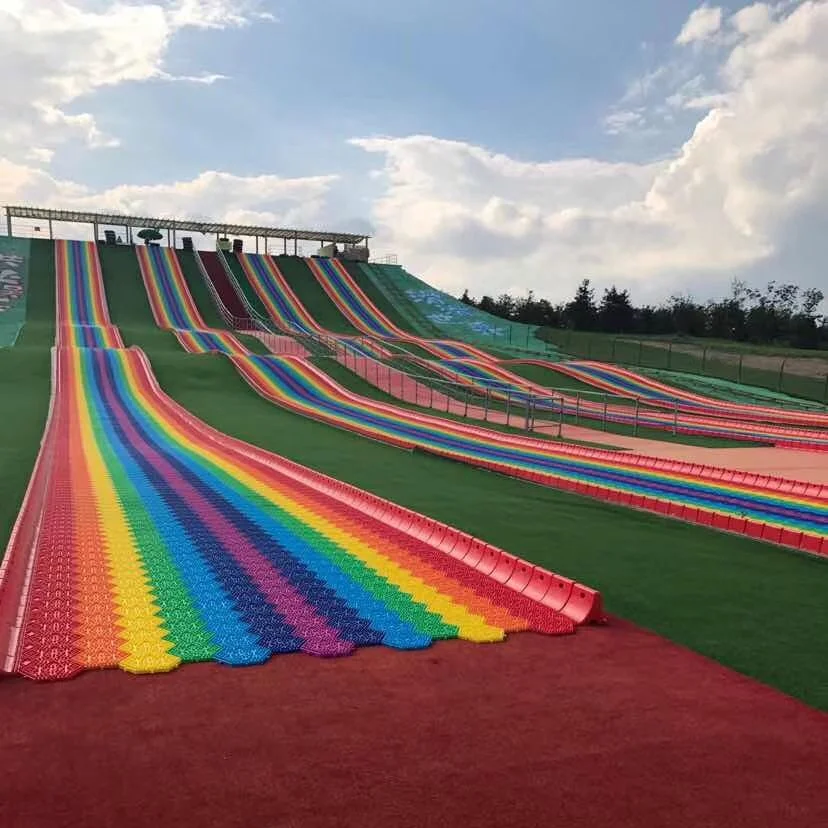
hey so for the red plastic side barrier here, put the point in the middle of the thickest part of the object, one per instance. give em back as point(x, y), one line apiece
point(504, 568)
point(521, 576)
point(584, 605)
point(538, 584)
point(489, 560)
point(461, 548)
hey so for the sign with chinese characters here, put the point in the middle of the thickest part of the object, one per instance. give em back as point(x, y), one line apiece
point(14, 260)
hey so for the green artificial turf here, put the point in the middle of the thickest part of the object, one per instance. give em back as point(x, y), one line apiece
point(311, 294)
point(126, 296)
point(39, 328)
point(24, 401)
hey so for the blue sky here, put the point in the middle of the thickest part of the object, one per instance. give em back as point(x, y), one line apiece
point(532, 79)
point(614, 140)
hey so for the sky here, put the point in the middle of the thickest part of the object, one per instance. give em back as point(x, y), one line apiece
point(664, 147)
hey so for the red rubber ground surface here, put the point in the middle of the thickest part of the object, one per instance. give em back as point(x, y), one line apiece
point(611, 726)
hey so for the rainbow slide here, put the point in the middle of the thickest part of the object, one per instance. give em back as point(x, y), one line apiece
point(147, 539)
point(788, 512)
point(364, 315)
point(287, 311)
point(492, 375)
point(296, 384)
point(173, 306)
point(624, 383)
point(80, 290)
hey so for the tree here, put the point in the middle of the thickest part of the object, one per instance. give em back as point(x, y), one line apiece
point(689, 318)
point(504, 306)
point(487, 304)
point(581, 312)
point(616, 313)
point(150, 234)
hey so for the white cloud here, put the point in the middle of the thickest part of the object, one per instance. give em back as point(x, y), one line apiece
point(263, 199)
point(722, 203)
point(53, 54)
point(701, 25)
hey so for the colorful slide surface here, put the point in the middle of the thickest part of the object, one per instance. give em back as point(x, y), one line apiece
point(287, 311)
point(85, 322)
point(795, 514)
point(364, 315)
point(620, 381)
point(148, 539)
point(492, 375)
point(173, 307)
point(282, 304)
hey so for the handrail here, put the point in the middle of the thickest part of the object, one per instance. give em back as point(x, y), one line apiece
point(231, 320)
point(254, 314)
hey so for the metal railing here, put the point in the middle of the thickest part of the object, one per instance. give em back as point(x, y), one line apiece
point(231, 320)
point(266, 325)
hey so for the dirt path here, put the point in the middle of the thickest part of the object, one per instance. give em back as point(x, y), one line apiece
point(807, 466)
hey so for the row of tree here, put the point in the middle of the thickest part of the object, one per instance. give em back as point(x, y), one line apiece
point(780, 314)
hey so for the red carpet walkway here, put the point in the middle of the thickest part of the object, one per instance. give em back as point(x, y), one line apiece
point(609, 727)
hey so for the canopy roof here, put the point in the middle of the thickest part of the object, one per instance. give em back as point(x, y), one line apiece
point(46, 214)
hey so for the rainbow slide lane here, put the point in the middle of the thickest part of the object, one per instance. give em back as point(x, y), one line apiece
point(79, 286)
point(621, 382)
point(148, 539)
point(173, 306)
point(786, 512)
point(492, 375)
point(364, 315)
point(286, 309)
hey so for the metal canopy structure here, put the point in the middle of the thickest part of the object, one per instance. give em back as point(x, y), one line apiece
point(176, 225)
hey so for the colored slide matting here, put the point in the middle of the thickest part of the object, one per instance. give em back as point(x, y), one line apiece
point(147, 539)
